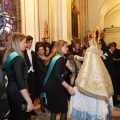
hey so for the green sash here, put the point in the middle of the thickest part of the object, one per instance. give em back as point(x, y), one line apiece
point(9, 58)
point(52, 63)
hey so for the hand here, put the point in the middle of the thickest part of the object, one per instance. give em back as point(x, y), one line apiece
point(73, 49)
point(37, 107)
point(71, 61)
point(75, 58)
point(30, 107)
point(71, 90)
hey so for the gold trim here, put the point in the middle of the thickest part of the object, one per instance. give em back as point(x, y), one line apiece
point(75, 11)
point(96, 30)
point(78, 21)
point(45, 39)
point(79, 26)
point(94, 95)
point(74, 8)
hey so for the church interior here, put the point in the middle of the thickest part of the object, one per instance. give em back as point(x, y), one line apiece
point(52, 20)
point(59, 17)
point(57, 13)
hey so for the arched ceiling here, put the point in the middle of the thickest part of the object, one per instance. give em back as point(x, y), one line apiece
point(107, 8)
point(112, 11)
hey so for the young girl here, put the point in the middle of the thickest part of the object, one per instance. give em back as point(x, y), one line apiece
point(16, 70)
point(55, 86)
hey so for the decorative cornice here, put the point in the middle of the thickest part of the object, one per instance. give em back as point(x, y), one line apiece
point(112, 29)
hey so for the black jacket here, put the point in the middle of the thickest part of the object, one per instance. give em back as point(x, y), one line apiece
point(28, 61)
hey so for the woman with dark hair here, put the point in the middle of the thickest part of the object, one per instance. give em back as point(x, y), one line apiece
point(47, 48)
point(52, 45)
point(41, 72)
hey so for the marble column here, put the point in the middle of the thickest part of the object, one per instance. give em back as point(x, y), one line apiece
point(60, 20)
point(29, 17)
point(83, 19)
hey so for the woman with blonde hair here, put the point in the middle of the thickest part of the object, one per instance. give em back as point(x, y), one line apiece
point(55, 85)
point(16, 69)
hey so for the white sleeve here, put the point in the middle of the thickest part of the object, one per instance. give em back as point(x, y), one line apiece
point(79, 58)
point(70, 66)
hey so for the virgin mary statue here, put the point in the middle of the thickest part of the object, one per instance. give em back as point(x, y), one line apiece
point(93, 90)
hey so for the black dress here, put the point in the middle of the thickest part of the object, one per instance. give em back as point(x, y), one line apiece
point(116, 55)
point(56, 93)
point(41, 71)
point(17, 74)
point(4, 105)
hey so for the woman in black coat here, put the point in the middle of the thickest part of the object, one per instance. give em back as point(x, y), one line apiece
point(16, 70)
point(56, 86)
point(41, 71)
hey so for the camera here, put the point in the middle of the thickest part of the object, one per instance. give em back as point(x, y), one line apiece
point(71, 57)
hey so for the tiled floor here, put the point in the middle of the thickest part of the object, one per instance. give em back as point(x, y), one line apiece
point(116, 113)
point(45, 116)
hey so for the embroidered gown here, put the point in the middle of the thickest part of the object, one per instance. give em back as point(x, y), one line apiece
point(93, 90)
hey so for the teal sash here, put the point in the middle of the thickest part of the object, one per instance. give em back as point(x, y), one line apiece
point(9, 58)
point(52, 63)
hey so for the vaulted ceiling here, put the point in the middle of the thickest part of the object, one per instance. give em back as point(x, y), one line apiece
point(108, 8)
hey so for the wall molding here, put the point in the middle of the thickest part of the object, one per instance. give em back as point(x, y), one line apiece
point(112, 30)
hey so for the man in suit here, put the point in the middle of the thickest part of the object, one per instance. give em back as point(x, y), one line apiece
point(116, 58)
point(29, 56)
point(110, 68)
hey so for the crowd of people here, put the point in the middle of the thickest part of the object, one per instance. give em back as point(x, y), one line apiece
point(57, 73)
